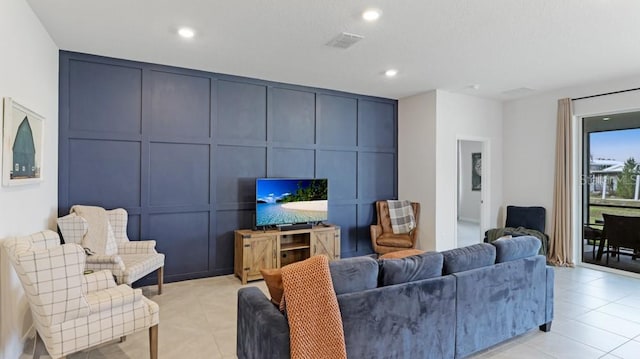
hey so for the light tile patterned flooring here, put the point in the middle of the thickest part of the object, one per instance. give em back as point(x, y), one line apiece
point(597, 315)
point(469, 233)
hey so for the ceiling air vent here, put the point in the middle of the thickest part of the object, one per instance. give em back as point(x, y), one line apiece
point(344, 40)
point(518, 91)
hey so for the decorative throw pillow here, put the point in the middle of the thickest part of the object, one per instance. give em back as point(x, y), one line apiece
point(401, 254)
point(273, 280)
point(73, 228)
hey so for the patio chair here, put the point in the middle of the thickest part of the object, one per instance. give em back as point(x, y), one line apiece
point(621, 232)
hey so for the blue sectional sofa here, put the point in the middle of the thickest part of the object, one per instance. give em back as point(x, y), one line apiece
point(433, 305)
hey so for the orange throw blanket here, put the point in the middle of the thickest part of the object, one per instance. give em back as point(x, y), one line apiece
point(315, 324)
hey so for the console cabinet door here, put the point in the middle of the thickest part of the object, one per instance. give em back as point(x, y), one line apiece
point(326, 242)
point(259, 252)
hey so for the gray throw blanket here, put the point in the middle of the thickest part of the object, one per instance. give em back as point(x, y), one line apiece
point(402, 217)
point(496, 233)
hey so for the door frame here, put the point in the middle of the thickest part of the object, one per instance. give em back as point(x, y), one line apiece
point(485, 192)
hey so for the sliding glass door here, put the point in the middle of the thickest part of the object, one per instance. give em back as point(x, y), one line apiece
point(611, 191)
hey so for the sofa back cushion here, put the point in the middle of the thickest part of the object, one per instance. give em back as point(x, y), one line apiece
point(422, 266)
point(467, 258)
point(516, 248)
point(401, 254)
point(354, 274)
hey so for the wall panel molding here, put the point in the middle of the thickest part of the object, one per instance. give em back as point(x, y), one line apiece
point(180, 150)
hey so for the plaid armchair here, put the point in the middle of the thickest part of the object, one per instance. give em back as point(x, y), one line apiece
point(112, 250)
point(72, 311)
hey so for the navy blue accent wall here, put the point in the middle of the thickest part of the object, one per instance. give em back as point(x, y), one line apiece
point(180, 150)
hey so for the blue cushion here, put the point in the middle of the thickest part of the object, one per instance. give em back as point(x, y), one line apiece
point(409, 269)
point(510, 249)
point(354, 274)
point(467, 258)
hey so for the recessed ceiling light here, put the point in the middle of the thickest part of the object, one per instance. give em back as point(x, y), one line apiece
point(371, 14)
point(186, 32)
point(606, 118)
point(391, 72)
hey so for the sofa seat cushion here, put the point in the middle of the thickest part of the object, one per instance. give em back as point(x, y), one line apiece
point(516, 248)
point(139, 265)
point(354, 274)
point(401, 254)
point(395, 240)
point(467, 258)
point(422, 266)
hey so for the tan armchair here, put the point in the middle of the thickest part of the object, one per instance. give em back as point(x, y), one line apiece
point(383, 239)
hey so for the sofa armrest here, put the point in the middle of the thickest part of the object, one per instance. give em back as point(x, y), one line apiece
point(100, 262)
point(414, 236)
point(103, 259)
point(376, 231)
point(108, 299)
point(137, 247)
point(98, 281)
point(262, 330)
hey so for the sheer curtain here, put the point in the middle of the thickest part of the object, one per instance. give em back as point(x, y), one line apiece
point(561, 248)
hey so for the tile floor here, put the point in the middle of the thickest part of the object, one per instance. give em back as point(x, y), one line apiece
point(597, 315)
point(469, 233)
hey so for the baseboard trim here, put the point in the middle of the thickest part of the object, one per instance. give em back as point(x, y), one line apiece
point(472, 220)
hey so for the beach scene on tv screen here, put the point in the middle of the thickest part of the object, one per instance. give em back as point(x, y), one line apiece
point(285, 201)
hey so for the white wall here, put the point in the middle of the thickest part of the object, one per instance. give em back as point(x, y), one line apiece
point(28, 74)
point(530, 134)
point(469, 118)
point(429, 127)
point(468, 200)
point(417, 160)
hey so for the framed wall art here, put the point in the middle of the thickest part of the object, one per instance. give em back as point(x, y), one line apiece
point(476, 171)
point(22, 145)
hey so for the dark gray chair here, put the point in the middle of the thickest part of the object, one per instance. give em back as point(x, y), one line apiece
point(533, 217)
point(621, 232)
point(593, 236)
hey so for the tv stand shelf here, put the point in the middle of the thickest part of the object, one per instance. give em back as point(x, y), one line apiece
point(293, 246)
point(274, 249)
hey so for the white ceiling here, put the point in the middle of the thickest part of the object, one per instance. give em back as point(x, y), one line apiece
point(500, 45)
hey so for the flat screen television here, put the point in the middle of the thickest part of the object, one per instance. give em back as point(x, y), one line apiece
point(282, 201)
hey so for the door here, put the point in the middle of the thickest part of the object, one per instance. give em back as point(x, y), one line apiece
point(260, 252)
point(326, 242)
point(469, 191)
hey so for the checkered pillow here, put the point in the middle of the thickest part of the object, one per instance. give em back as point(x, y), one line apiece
point(73, 228)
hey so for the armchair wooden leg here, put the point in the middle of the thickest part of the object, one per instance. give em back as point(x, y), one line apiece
point(153, 342)
point(38, 347)
point(123, 339)
point(160, 279)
